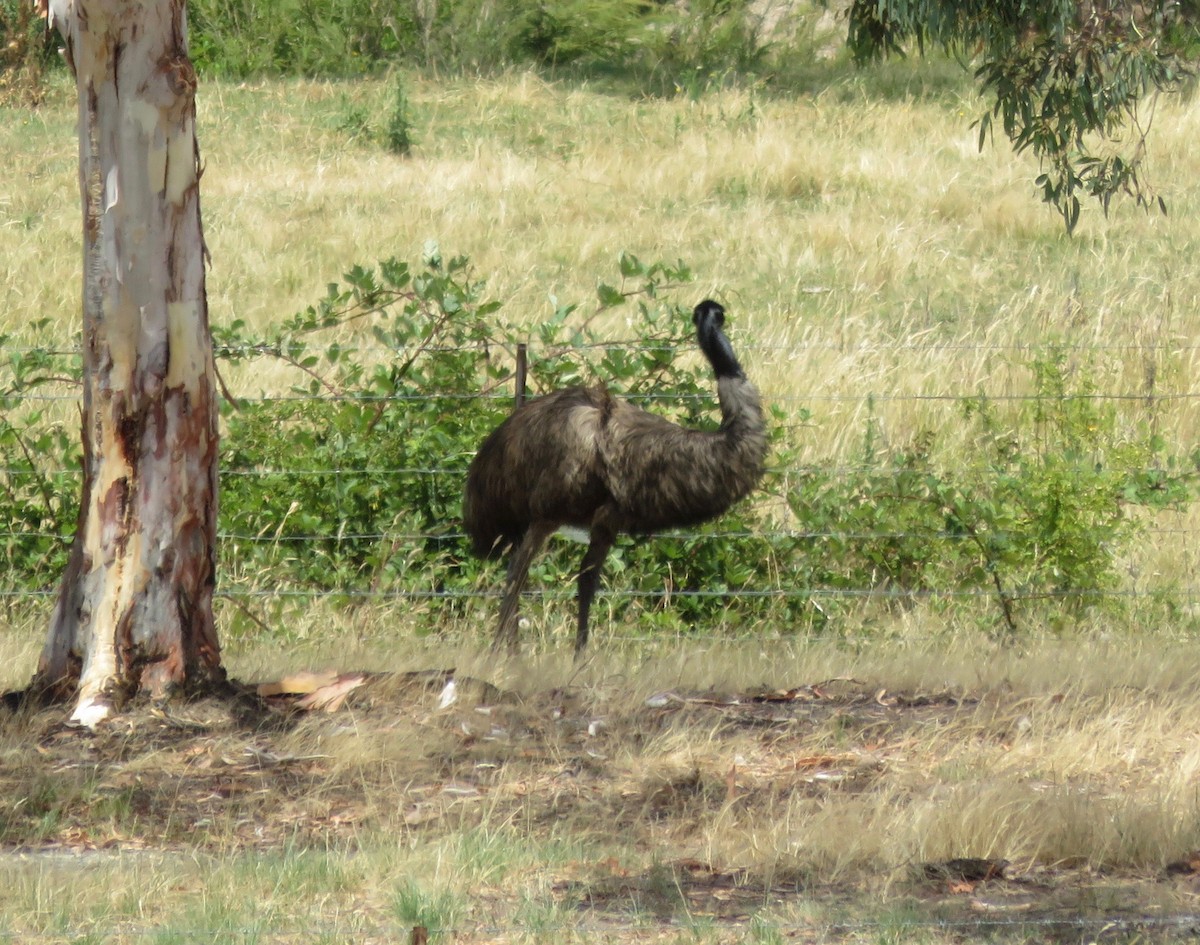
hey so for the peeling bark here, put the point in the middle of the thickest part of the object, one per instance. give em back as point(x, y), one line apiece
point(134, 612)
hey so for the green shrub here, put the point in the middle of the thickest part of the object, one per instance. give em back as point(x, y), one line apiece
point(678, 47)
point(24, 52)
point(1036, 511)
point(561, 32)
point(40, 456)
point(243, 38)
point(362, 452)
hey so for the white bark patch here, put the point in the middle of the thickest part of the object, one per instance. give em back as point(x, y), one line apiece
point(124, 581)
point(146, 117)
point(112, 189)
point(60, 15)
point(181, 164)
point(188, 359)
point(100, 661)
point(124, 325)
point(90, 710)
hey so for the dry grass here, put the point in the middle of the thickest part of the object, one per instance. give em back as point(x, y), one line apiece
point(804, 785)
point(864, 244)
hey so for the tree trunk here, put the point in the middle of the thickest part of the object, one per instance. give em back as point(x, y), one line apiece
point(134, 613)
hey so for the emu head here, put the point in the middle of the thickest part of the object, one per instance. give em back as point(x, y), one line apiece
point(708, 312)
point(708, 317)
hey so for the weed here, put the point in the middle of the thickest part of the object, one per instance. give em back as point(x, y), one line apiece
point(439, 911)
point(763, 931)
point(398, 132)
point(354, 122)
point(542, 917)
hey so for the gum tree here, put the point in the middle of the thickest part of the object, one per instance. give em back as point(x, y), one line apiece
point(1073, 81)
point(134, 612)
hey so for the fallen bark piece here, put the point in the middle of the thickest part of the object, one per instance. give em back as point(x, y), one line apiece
point(298, 684)
point(331, 697)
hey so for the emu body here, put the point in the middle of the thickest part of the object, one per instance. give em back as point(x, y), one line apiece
point(584, 459)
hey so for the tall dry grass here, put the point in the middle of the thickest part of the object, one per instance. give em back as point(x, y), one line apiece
point(864, 244)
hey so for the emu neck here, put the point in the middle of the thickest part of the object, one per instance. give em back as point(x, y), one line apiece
point(719, 351)
point(741, 406)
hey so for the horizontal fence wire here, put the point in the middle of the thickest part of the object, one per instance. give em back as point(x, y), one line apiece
point(665, 595)
point(773, 397)
point(832, 472)
point(715, 535)
point(640, 344)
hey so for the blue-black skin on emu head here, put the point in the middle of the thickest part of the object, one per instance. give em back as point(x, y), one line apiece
point(709, 319)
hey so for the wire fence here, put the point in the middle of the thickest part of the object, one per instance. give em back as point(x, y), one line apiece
point(779, 398)
point(1144, 581)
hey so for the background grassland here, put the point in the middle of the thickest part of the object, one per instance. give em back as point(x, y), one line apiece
point(864, 246)
point(859, 238)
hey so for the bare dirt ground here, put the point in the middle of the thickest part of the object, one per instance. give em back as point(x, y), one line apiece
point(351, 754)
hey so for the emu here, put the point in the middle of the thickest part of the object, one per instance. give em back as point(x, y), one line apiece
point(579, 458)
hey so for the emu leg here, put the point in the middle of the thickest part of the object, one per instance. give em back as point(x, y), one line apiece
point(519, 560)
point(589, 580)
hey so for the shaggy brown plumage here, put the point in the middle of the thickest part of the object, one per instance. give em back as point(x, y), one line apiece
point(580, 457)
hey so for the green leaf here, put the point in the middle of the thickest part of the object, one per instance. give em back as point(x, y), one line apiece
point(608, 295)
point(630, 266)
